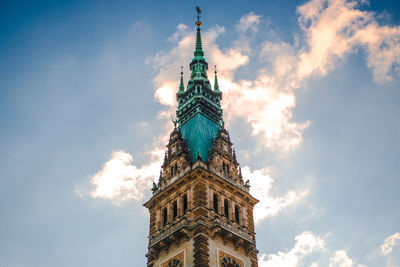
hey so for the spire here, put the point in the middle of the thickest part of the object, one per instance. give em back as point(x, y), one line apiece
point(199, 110)
point(216, 87)
point(181, 86)
point(199, 49)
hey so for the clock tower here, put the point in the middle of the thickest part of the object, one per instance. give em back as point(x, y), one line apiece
point(201, 211)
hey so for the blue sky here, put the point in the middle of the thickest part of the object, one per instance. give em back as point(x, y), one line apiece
point(311, 100)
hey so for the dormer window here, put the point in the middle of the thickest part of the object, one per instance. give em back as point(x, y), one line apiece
point(173, 149)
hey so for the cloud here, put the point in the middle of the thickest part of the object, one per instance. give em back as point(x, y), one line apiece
point(340, 259)
point(261, 185)
point(390, 243)
point(308, 250)
point(120, 181)
point(390, 249)
point(332, 29)
point(248, 22)
point(305, 244)
point(267, 109)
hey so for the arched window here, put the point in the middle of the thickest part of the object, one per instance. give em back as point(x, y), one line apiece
point(236, 214)
point(185, 203)
point(165, 216)
point(215, 202)
point(175, 209)
point(226, 208)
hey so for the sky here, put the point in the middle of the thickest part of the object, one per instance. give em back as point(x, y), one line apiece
point(310, 98)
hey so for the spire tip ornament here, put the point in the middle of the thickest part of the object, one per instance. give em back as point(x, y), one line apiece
point(198, 22)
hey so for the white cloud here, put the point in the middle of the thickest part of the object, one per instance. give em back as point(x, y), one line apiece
point(248, 22)
point(305, 244)
point(309, 250)
point(390, 243)
point(340, 259)
point(390, 249)
point(120, 181)
point(261, 185)
point(267, 109)
point(332, 29)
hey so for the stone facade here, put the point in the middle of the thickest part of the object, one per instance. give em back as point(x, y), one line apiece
point(204, 227)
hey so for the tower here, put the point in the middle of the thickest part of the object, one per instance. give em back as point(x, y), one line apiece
point(201, 211)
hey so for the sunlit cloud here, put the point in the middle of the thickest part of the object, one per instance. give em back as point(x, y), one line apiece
point(340, 259)
point(390, 243)
point(261, 186)
point(333, 29)
point(309, 250)
point(120, 181)
point(390, 249)
point(305, 244)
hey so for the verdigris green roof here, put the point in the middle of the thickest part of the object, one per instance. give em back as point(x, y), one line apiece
point(199, 132)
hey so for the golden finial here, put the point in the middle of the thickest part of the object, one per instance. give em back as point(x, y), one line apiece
point(198, 22)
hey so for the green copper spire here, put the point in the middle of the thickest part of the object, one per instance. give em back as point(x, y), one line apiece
point(216, 87)
point(199, 48)
point(199, 112)
point(181, 86)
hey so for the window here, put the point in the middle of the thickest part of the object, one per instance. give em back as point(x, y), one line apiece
point(185, 203)
point(227, 169)
point(165, 216)
point(175, 209)
point(215, 202)
point(236, 214)
point(223, 166)
point(228, 262)
point(226, 208)
point(174, 169)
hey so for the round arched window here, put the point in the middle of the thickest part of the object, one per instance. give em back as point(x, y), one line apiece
point(228, 262)
point(175, 263)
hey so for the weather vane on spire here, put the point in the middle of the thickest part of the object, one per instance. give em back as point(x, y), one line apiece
point(198, 22)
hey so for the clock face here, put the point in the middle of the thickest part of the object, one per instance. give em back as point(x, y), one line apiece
point(228, 262)
point(175, 263)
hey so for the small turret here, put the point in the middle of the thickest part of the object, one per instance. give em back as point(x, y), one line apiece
point(181, 86)
point(216, 87)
